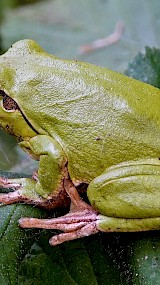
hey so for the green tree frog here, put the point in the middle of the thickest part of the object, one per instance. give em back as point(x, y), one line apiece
point(85, 124)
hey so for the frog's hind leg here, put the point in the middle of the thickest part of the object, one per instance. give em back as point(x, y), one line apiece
point(129, 189)
point(79, 222)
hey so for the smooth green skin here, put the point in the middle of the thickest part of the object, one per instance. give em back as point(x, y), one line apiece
point(105, 125)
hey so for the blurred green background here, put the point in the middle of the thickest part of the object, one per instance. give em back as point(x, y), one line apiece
point(62, 26)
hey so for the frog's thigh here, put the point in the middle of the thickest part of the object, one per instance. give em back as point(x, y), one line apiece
point(128, 190)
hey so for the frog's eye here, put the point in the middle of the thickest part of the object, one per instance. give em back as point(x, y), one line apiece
point(8, 103)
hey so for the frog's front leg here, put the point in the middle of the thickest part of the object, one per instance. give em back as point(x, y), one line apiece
point(125, 197)
point(46, 189)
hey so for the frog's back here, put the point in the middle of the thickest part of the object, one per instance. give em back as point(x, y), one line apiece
point(105, 118)
point(99, 117)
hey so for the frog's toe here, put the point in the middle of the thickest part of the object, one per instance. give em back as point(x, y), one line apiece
point(10, 198)
point(85, 230)
point(74, 225)
point(18, 197)
point(10, 183)
point(23, 190)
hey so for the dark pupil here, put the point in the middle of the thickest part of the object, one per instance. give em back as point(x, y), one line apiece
point(8, 103)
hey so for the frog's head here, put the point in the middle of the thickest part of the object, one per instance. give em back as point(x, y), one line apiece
point(15, 83)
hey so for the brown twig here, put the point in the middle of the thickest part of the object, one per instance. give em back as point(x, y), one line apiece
point(101, 43)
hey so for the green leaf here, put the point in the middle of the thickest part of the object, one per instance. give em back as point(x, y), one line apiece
point(146, 67)
point(144, 258)
point(14, 241)
point(89, 260)
point(40, 268)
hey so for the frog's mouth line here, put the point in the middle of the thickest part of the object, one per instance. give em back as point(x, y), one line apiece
point(11, 106)
point(28, 123)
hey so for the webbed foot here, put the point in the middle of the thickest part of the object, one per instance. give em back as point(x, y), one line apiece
point(79, 222)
